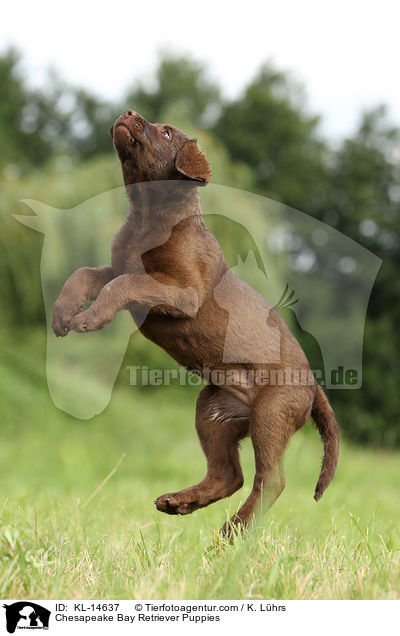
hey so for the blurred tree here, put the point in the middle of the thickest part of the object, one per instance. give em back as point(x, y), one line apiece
point(267, 128)
point(181, 89)
point(74, 121)
point(91, 122)
point(58, 119)
point(21, 144)
point(363, 202)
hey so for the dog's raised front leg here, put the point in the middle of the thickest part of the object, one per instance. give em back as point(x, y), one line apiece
point(135, 288)
point(82, 286)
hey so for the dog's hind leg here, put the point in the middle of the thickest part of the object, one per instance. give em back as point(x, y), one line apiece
point(221, 422)
point(276, 414)
point(273, 487)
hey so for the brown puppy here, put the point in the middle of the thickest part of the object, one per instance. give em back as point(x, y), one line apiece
point(169, 272)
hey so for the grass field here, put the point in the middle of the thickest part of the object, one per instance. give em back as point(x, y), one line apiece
point(64, 537)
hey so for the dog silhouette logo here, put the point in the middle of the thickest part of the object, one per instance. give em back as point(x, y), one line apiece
point(26, 615)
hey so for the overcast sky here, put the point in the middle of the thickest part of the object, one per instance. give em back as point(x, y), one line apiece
point(346, 52)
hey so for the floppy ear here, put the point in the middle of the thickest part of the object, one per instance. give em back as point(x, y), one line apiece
point(192, 162)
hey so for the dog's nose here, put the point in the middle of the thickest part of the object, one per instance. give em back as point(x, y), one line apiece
point(129, 113)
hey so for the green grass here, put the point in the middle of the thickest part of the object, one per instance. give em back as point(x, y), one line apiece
point(118, 546)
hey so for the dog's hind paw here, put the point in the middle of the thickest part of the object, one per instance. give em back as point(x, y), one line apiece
point(233, 528)
point(175, 504)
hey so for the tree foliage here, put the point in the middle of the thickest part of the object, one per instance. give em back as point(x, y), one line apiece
point(181, 89)
point(268, 128)
point(365, 197)
point(20, 143)
point(59, 119)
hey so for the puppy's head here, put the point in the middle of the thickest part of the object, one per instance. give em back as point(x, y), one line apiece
point(153, 152)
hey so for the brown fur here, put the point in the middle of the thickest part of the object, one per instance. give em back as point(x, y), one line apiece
point(169, 272)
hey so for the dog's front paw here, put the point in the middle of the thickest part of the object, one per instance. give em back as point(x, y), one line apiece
point(62, 319)
point(90, 320)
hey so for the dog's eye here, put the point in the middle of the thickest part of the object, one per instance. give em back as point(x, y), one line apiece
point(166, 134)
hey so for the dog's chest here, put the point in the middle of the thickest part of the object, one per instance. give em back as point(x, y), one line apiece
point(131, 244)
point(126, 252)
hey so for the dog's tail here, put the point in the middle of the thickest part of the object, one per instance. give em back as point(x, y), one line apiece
point(324, 418)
